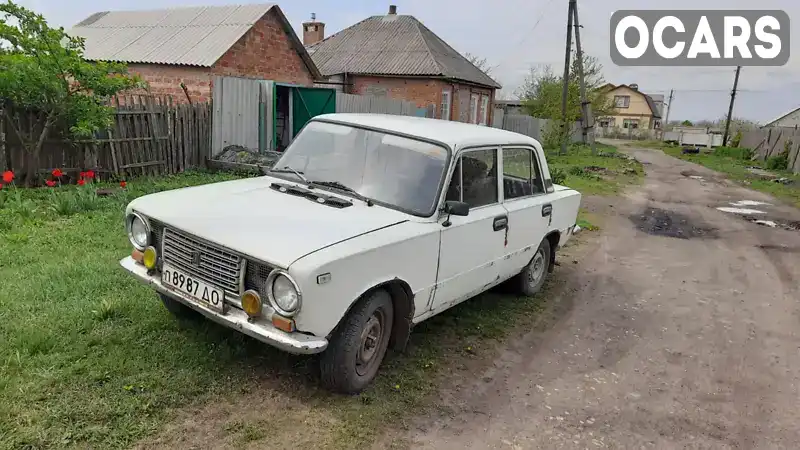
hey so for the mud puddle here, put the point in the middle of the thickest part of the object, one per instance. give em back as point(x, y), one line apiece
point(660, 222)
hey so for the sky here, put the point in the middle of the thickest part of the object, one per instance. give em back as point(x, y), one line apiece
point(515, 35)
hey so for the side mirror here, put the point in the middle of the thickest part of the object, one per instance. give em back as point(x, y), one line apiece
point(453, 208)
point(456, 208)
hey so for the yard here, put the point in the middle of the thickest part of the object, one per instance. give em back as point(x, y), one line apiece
point(92, 359)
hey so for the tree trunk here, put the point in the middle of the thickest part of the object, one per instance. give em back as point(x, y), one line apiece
point(36, 151)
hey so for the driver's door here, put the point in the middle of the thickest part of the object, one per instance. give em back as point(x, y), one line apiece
point(472, 247)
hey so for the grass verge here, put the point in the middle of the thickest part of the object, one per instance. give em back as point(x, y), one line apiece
point(735, 162)
point(92, 359)
point(606, 173)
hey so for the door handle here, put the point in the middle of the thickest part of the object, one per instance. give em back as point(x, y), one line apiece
point(547, 210)
point(500, 223)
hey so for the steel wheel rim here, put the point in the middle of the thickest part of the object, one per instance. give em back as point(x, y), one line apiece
point(370, 343)
point(536, 273)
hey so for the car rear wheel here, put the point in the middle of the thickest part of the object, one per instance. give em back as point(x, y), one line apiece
point(355, 353)
point(533, 276)
point(177, 308)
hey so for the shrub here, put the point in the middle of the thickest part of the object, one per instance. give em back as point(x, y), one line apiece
point(558, 175)
point(86, 199)
point(735, 153)
point(778, 162)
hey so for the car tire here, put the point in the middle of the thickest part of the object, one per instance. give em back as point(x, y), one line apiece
point(177, 308)
point(530, 281)
point(358, 347)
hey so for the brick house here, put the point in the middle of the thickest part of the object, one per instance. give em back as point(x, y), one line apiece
point(192, 45)
point(398, 57)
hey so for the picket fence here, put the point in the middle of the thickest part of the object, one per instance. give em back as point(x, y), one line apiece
point(149, 136)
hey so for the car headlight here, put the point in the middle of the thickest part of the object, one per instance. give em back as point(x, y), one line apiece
point(138, 231)
point(283, 293)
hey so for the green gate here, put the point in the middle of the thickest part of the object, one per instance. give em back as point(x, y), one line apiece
point(310, 102)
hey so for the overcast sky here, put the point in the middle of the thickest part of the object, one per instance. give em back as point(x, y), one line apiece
point(507, 34)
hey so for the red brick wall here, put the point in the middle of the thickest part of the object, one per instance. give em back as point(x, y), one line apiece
point(421, 91)
point(264, 52)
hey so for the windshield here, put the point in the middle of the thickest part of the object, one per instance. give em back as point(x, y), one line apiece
point(397, 171)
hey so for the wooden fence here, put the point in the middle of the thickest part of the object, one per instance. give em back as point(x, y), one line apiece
point(149, 136)
point(772, 141)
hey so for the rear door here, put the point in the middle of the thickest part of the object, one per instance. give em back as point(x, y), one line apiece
point(310, 102)
point(529, 207)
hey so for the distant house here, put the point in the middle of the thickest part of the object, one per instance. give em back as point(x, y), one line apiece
point(396, 56)
point(788, 120)
point(168, 47)
point(632, 108)
point(510, 106)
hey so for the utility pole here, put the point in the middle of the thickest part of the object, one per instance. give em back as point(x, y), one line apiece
point(586, 110)
point(565, 93)
point(669, 105)
point(730, 108)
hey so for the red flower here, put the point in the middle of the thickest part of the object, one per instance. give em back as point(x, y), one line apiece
point(50, 183)
point(8, 176)
point(58, 173)
point(123, 184)
point(1, 185)
point(89, 174)
point(82, 175)
point(81, 182)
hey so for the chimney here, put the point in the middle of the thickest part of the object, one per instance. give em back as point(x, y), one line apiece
point(313, 31)
point(634, 86)
point(393, 9)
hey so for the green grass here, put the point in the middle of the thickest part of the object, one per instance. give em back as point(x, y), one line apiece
point(734, 163)
point(91, 359)
point(609, 171)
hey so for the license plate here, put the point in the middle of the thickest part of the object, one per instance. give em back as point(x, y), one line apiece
point(196, 289)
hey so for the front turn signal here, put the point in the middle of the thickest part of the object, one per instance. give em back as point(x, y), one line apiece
point(150, 257)
point(251, 303)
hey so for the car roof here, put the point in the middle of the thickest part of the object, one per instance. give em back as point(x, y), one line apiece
point(454, 134)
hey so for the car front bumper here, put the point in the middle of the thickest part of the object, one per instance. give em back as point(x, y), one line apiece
point(297, 343)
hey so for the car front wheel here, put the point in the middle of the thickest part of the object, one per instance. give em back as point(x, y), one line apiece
point(355, 353)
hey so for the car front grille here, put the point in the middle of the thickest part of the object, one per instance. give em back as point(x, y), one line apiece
point(208, 262)
point(256, 277)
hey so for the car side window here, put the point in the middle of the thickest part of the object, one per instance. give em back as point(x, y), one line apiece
point(474, 179)
point(521, 174)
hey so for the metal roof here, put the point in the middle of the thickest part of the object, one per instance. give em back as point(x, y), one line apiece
point(393, 45)
point(196, 36)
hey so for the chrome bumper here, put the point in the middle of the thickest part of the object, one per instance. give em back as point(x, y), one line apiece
point(297, 343)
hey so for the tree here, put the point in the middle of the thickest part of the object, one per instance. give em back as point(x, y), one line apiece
point(687, 123)
point(541, 93)
point(479, 62)
point(42, 70)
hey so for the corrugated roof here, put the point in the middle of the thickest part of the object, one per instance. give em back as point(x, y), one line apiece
point(196, 36)
point(393, 45)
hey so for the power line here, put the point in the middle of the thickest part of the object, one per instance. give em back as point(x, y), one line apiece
point(526, 35)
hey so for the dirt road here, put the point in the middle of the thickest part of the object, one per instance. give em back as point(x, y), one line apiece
point(680, 330)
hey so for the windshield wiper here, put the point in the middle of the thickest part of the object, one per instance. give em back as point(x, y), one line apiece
point(342, 187)
point(288, 169)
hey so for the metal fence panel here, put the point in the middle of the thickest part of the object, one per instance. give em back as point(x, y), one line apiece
point(236, 113)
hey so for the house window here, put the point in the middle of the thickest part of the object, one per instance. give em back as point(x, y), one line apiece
point(630, 123)
point(473, 108)
point(446, 104)
point(622, 101)
point(606, 122)
point(484, 109)
point(656, 124)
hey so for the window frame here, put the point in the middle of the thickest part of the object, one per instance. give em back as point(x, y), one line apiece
point(446, 93)
point(535, 161)
point(626, 124)
point(484, 110)
point(627, 101)
point(455, 163)
point(474, 108)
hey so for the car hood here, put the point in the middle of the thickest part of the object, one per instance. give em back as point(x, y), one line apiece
point(249, 217)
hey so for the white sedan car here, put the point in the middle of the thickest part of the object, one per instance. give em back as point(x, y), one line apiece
point(367, 225)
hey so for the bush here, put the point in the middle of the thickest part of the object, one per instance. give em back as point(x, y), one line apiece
point(86, 199)
point(735, 153)
point(558, 175)
point(779, 162)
